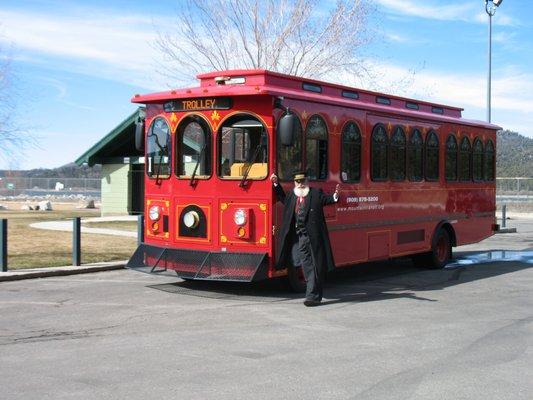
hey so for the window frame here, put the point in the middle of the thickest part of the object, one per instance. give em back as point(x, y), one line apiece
point(307, 140)
point(464, 139)
point(410, 146)
point(299, 167)
point(447, 151)
point(480, 155)
point(386, 157)
point(358, 144)
point(492, 161)
point(397, 148)
point(155, 176)
point(180, 130)
point(431, 133)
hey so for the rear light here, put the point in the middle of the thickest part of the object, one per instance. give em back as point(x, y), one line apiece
point(154, 213)
point(240, 217)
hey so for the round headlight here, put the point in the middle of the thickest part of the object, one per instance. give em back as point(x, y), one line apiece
point(154, 213)
point(239, 217)
point(191, 219)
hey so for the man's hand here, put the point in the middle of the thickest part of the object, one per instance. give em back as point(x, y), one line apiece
point(274, 179)
point(338, 189)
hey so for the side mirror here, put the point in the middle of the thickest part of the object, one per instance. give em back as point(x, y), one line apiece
point(139, 134)
point(287, 125)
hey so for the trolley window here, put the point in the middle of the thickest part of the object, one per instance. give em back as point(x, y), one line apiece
point(489, 161)
point(380, 153)
point(290, 157)
point(465, 160)
point(158, 149)
point(451, 158)
point(243, 150)
point(415, 150)
point(397, 155)
point(477, 160)
point(432, 156)
point(194, 151)
point(351, 153)
point(316, 143)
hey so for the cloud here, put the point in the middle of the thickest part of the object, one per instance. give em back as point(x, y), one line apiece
point(443, 11)
point(107, 45)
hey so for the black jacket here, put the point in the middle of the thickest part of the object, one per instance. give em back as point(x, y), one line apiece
point(315, 224)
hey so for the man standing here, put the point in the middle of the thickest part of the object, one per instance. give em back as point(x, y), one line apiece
point(303, 239)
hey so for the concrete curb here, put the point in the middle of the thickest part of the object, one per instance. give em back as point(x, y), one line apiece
point(19, 274)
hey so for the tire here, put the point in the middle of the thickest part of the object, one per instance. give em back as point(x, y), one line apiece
point(296, 279)
point(440, 254)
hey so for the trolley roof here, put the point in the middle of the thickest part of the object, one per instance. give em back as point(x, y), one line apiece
point(263, 82)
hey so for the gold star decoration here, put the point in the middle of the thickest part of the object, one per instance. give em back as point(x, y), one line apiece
point(304, 115)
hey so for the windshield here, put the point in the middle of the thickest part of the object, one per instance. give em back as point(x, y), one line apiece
point(158, 150)
point(243, 148)
point(194, 151)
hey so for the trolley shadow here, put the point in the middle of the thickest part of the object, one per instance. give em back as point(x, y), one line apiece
point(377, 281)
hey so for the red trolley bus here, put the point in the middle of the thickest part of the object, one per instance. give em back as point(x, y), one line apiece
point(416, 177)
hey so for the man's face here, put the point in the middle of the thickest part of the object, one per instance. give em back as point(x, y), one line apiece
point(300, 183)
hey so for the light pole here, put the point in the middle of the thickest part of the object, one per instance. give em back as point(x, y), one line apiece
point(490, 8)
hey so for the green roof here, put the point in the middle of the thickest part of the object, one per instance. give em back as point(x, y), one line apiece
point(120, 142)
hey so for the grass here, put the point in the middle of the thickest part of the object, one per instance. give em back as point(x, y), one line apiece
point(33, 248)
point(130, 226)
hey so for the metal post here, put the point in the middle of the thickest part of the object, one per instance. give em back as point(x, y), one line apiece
point(504, 217)
point(76, 241)
point(3, 245)
point(490, 68)
point(140, 229)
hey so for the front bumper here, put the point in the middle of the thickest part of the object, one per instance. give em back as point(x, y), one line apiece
point(200, 265)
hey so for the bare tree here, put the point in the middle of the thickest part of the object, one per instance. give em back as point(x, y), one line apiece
point(297, 37)
point(12, 139)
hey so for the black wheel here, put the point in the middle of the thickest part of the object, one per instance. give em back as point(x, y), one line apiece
point(440, 254)
point(296, 279)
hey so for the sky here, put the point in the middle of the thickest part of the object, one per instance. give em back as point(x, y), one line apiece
point(76, 65)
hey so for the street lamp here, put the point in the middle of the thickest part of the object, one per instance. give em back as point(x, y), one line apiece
point(490, 8)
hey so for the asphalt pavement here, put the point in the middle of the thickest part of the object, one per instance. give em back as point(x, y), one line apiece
point(385, 331)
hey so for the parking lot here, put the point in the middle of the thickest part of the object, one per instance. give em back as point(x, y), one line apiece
point(385, 331)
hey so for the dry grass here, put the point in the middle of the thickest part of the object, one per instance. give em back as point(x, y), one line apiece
point(130, 226)
point(32, 248)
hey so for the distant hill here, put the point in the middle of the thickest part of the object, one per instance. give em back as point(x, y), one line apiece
point(66, 171)
point(514, 155)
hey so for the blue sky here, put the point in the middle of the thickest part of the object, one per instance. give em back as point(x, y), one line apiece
point(76, 64)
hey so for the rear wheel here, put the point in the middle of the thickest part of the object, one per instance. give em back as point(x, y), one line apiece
point(296, 279)
point(440, 254)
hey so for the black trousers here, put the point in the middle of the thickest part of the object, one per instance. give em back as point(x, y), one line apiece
point(302, 255)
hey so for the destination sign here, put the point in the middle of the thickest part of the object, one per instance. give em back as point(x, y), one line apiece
point(213, 103)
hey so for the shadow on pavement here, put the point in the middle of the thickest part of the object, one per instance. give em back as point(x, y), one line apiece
point(377, 281)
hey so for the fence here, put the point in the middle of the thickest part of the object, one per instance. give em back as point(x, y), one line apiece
point(514, 190)
point(10, 186)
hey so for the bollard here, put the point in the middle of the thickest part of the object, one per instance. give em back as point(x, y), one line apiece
point(504, 218)
point(76, 241)
point(140, 229)
point(3, 245)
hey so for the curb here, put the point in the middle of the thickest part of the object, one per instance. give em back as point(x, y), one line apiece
point(16, 275)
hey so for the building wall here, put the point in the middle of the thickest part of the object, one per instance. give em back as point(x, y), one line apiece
point(115, 189)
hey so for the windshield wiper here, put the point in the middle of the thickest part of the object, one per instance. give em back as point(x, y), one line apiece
point(248, 166)
point(192, 182)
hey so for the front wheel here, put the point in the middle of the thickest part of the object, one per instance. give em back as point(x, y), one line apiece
point(296, 279)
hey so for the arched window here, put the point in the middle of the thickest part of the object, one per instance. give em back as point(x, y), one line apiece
point(316, 144)
point(415, 169)
point(380, 153)
point(158, 149)
point(489, 161)
point(477, 160)
point(290, 157)
point(465, 160)
point(432, 156)
point(194, 152)
point(397, 155)
point(351, 153)
point(451, 158)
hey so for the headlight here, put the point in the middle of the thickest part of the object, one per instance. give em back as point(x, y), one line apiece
point(191, 219)
point(154, 213)
point(240, 217)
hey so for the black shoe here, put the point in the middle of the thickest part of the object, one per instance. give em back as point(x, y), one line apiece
point(311, 303)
